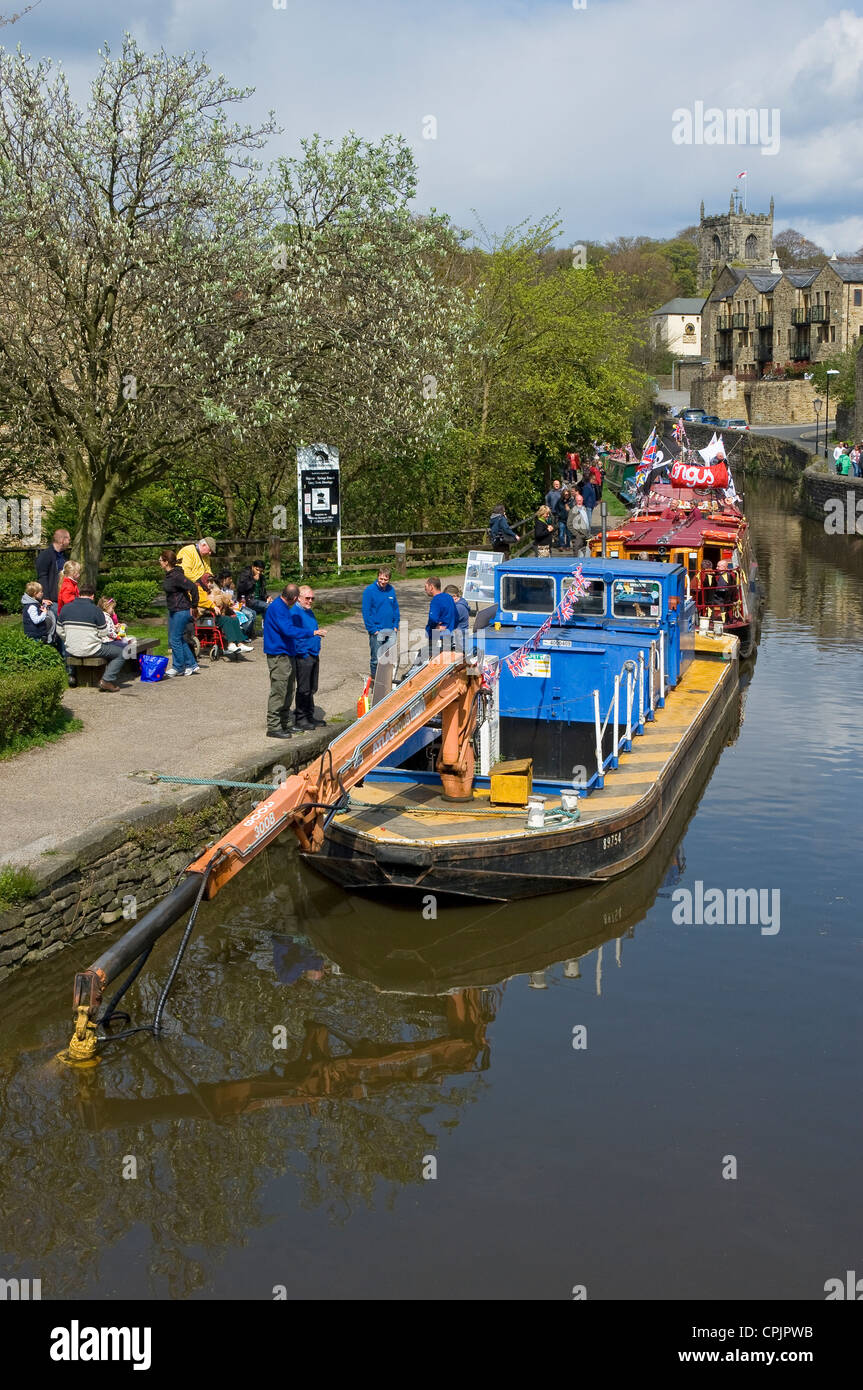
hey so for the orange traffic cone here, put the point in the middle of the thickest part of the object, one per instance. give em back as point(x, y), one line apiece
point(364, 701)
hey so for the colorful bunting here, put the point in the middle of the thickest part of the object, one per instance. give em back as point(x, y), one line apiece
point(517, 662)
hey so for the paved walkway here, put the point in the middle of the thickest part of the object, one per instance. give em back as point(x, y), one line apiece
point(197, 726)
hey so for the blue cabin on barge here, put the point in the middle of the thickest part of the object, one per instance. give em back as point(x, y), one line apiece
point(629, 640)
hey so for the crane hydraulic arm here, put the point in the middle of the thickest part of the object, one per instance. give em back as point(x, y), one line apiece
point(447, 685)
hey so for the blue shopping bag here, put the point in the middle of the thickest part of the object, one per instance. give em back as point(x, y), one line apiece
point(153, 668)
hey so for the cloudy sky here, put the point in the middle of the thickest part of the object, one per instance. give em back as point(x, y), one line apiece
point(539, 106)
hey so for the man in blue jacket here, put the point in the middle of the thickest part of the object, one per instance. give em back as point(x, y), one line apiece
point(307, 646)
point(443, 618)
point(380, 614)
point(279, 649)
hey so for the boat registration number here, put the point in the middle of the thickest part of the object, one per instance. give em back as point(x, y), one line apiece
point(609, 841)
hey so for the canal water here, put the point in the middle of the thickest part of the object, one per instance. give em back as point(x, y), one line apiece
point(577, 1092)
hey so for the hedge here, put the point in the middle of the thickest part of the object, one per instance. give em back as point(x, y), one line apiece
point(124, 574)
point(30, 701)
point(21, 653)
point(133, 598)
point(12, 587)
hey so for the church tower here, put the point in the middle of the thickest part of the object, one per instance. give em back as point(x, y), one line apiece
point(744, 238)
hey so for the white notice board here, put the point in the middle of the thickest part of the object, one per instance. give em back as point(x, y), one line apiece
point(479, 575)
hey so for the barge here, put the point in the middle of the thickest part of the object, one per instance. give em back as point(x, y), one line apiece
point(621, 701)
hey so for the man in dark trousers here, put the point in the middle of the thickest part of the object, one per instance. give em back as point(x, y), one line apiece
point(280, 651)
point(84, 630)
point(307, 645)
point(380, 615)
point(49, 563)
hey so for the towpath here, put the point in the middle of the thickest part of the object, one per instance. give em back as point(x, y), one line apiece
point(195, 727)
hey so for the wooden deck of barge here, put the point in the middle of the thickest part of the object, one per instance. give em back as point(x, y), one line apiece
point(406, 812)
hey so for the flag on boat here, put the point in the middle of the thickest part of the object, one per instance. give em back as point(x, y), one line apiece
point(679, 432)
point(648, 453)
point(709, 452)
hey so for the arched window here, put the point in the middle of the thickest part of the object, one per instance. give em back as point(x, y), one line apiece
point(717, 248)
point(751, 250)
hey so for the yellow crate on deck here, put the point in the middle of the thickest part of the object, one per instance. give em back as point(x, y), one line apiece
point(511, 782)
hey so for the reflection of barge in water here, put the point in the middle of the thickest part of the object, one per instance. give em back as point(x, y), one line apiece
point(623, 698)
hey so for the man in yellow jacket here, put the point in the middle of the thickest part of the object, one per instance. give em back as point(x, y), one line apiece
point(194, 562)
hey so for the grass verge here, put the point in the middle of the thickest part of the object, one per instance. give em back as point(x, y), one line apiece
point(16, 886)
point(65, 724)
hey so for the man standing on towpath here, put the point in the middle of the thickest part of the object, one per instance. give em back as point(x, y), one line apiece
point(380, 614)
point(280, 651)
point(307, 646)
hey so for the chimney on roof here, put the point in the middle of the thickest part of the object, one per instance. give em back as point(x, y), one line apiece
point(834, 257)
point(775, 267)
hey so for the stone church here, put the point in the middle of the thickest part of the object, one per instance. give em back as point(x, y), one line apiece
point(746, 238)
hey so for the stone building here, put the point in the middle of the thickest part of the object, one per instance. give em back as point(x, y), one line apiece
point(766, 329)
point(676, 326)
point(744, 238)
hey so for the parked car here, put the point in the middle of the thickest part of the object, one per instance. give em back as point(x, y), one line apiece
point(733, 425)
point(709, 420)
point(694, 414)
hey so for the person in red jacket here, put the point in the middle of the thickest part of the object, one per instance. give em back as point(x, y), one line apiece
point(68, 583)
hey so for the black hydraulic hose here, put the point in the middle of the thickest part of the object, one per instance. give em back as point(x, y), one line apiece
point(123, 953)
point(130, 980)
point(181, 949)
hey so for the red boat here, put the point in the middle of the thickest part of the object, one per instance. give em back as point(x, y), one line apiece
point(696, 524)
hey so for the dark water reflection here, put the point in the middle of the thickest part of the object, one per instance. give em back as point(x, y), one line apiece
point(452, 1040)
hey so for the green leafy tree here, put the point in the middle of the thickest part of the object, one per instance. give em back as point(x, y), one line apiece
point(548, 359)
point(843, 388)
point(148, 313)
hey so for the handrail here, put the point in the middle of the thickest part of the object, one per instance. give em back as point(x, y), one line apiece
point(613, 759)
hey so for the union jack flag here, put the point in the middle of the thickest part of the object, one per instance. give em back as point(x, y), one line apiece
point(648, 453)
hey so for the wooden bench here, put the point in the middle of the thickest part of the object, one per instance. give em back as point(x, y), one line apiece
point(88, 669)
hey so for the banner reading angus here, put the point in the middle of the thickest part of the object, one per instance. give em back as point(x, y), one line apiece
point(318, 468)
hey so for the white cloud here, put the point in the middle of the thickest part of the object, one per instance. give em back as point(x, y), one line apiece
point(541, 106)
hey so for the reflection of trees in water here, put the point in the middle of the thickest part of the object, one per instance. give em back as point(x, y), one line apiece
point(204, 1179)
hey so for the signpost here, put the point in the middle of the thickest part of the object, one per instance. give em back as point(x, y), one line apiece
point(318, 502)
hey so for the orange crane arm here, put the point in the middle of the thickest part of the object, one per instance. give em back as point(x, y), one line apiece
point(446, 685)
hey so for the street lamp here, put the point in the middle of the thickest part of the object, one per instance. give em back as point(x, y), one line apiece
point(831, 371)
point(817, 403)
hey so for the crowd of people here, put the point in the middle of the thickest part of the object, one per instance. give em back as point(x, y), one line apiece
point(207, 608)
point(848, 459)
point(564, 520)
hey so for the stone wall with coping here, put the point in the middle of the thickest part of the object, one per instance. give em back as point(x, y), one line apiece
point(80, 890)
point(758, 454)
point(833, 500)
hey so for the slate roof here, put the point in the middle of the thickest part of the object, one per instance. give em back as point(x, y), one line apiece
point(763, 282)
point(681, 306)
point(801, 278)
point(849, 271)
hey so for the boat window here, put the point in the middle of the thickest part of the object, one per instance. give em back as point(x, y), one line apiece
point(636, 598)
point(527, 593)
point(593, 602)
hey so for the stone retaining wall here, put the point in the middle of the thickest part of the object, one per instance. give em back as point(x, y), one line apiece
point(834, 501)
point(81, 889)
point(759, 402)
point(758, 454)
